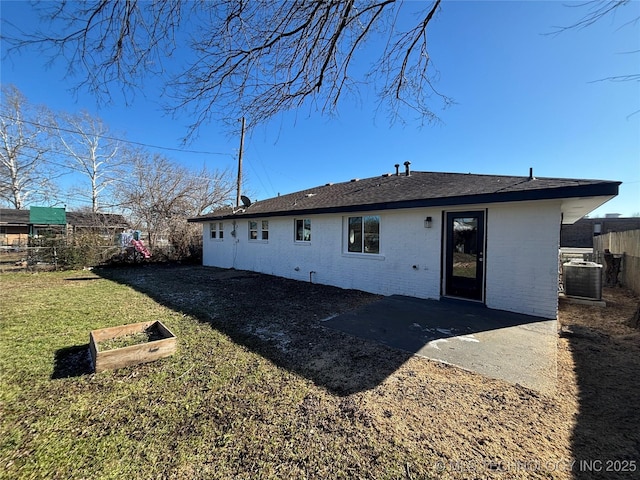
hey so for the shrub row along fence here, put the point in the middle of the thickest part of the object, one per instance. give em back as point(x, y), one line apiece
point(53, 258)
point(622, 248)
point(57, 254)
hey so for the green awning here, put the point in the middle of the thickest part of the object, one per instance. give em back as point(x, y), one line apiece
point(47, 216)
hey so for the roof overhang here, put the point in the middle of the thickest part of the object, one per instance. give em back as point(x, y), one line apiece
point(577, 201)
point(573, 209)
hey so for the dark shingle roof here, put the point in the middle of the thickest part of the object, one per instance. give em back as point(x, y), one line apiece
point(14, 217)
point(80, 219)
point(420, 189)
point(77, 219)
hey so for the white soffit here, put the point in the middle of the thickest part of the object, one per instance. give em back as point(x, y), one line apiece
point(573, 209)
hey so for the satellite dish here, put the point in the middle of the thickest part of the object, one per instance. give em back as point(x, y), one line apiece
point(245, 200)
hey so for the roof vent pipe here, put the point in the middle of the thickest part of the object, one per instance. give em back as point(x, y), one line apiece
point(406, 167)
point(397, 165)
point(531, 177)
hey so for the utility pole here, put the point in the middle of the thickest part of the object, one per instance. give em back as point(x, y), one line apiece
point(240, 163)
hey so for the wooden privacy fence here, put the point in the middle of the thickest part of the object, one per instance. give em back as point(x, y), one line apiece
point(624, 245)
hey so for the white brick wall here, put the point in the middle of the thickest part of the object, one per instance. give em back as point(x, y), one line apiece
point(404, 242)
point(522, 257)
point(521, 254)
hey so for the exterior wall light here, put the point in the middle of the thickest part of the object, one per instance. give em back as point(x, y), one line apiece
point(427, 222)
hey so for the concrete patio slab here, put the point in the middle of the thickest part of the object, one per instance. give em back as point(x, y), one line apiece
point(520, 349)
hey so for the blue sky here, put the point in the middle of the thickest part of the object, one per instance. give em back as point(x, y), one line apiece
point(523, 99)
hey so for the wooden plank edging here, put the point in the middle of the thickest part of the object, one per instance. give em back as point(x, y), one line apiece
point(133, 354)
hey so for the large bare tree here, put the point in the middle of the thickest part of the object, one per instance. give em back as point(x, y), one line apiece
point(91, 152)
point(238, 58)
point(25, 176)
point(161, 194)
point(253, 58)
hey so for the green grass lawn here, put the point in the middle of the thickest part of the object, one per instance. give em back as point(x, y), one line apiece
point(260, 388)
point(215, 409)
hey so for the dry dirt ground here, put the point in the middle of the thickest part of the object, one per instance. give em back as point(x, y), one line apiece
point(467, 425)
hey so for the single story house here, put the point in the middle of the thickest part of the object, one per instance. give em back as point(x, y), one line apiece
point(489, 239)
point(17, 227)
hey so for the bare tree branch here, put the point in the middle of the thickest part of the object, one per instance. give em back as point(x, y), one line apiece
point(240, 58)
point(619, 78)
point(596, 11)
point(24, 173)
point(160, 194)
point(105, 42)
point(90, 152)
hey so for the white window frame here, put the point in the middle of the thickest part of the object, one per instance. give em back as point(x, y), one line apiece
point(261, 230)
point(305, 239)
point(216, 230)
point(253, 227)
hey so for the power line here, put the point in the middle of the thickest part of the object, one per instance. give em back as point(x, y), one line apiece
point(148, 145)
point(188, 172)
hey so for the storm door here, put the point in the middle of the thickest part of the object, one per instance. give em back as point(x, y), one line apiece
point(464, 255)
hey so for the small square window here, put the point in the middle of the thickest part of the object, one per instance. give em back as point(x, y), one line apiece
point(216, 230)
point(259, 230)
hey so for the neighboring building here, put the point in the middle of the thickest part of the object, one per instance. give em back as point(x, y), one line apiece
point(19, 227)
point(581, 233)
point(484, 238)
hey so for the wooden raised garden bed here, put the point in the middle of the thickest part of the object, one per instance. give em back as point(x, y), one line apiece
point(127, 345)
